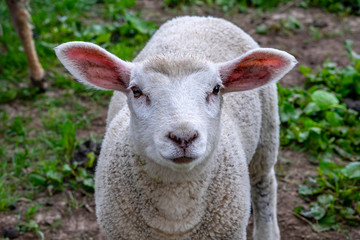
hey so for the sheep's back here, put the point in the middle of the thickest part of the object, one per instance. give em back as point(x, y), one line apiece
point(213, 39)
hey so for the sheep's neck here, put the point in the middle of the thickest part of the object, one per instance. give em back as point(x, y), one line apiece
point(175, 207)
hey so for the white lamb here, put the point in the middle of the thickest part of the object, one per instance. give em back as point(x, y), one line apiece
point(193, 147)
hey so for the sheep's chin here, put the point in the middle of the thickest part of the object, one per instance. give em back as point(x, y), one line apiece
point(178, 165)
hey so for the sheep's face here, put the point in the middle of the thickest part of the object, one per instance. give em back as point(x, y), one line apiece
point(175, 101)
point(175, 111)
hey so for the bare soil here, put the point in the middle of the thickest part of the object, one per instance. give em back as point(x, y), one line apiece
point(60, 217)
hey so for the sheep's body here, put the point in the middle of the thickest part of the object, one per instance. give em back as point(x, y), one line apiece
point(214, 204)
point(179, 159)
point(243, 116)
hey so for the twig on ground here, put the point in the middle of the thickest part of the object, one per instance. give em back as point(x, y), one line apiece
point(302, 218)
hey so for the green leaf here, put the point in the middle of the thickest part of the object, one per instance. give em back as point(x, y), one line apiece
point(31, 211)
point(334, 119)
point(352, 170)
point(37, 179)
point(33, 225)
point(305, 70)
point(66, 169)
point(288, 112)
point(315, 212)
point(90, 162)
point(342, 152)
point(325, 200)
point(357, 81)
point(311, 108)
point(306, 190)
point(103, 38)
point(139, 24)
point(303, 136)
point(55, 176)
point(347, 211)
point(262, 29)
point(324, 100)
point(329, 220)
point(89, 182)
point(315, 130)
point(298, 209)
point(81, 174)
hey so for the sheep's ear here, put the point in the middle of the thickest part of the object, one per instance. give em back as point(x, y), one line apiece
point(255, 68)
point(94, 66)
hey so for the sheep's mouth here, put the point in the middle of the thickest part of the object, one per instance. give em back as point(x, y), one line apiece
point(182, 160)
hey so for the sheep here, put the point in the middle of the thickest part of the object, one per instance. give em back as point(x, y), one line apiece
point(192, 132)
point(20, 20)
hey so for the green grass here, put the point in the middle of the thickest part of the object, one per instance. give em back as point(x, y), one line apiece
point(38, 131)
point(229, 5)
point(119, 31)
point(342, 7)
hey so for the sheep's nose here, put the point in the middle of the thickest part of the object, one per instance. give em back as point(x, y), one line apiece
point(183, 142)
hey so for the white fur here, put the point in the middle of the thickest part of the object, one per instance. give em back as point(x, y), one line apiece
point(140, 192)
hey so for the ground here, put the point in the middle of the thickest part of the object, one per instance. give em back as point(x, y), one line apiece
point(71, 215)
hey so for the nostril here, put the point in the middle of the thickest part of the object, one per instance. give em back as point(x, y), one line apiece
point(195, 136)
point(174, 138)
point(183, 142)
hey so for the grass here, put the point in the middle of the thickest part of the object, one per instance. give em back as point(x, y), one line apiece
point(229, 5)
point(342, 7)
point(38, 133)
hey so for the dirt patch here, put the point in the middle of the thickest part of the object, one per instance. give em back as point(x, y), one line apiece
point(292, 169)
point(67, 215)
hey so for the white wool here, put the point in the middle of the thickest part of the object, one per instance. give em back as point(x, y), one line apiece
point(141, 191)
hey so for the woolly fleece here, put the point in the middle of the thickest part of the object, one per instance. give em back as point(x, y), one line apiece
point(141, 196)
point(219, 209)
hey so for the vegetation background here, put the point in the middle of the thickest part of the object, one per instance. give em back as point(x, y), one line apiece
point(49, 142)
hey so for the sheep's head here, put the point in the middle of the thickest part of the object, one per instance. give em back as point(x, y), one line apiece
point(175, 101)
point(175, 110)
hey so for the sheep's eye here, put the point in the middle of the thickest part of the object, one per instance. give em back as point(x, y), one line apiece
point(216, 90)
point(136, 91)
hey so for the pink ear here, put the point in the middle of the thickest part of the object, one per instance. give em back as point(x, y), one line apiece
point(255, 68)
point(94, 66)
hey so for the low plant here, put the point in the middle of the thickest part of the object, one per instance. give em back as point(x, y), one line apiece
point(315, 118)
point(229, 5)
point(31, 226)
point(337, 193)
point(343, 7)
point(287, 26)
